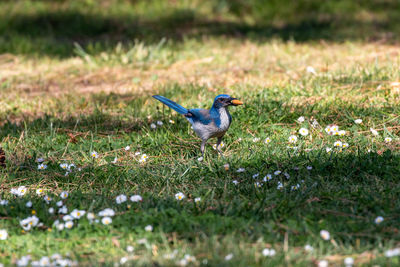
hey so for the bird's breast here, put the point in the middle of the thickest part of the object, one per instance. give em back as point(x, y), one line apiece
point(224, 120)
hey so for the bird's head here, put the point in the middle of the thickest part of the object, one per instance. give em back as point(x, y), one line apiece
point(226, 100)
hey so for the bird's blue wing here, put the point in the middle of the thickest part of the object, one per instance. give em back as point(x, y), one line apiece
point(178, 108)
point(199, 115)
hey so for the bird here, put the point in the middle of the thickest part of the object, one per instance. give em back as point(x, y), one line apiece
point(207, 123)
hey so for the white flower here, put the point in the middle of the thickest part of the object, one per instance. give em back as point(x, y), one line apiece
point(44, 261)
point(90, 216)
point(379, 219)
point(303, 131)
point(29, 222)
point(69, 224)
point(153, 126)
point(268, 252)
point(130, 249)
point(39, 191)
point(392, 252)
point(323, 263)
point(171, 121)
point(301, 119)
point(94, 154)
point(373, 131)
point(137, 153)
point(47, 199)
point(308, 248)
point(229, 257)
point(280, 186)
point(143, 158)
point(226, 166)
point(338, 144)
point(59, 203)
point(160, 123)
point(63, 210)
point(328, 149)
point(287, 175)
point(107, 212)
point(349, 261)
point(136, 198)
point(51, 210)
point(3, 202)
point(148, 228)
point(328, 129)
point(127, 148)
point(311, 70)
point(256, 139)
point(235, 182)
point(24, 261)
point(325, 234)
point(115, 160)
point(358, 121)
point(20, 191)
point(42, 166)
point(221, 145)
point(106, 220)
point(77, 214)
point(39, 160)
point(267, 140)
point(3, 234)
point(255, 175)
point(200, 159)
point(309, 168)
point(292, 139)
point(267, 178)
point(68, 218)
point(342, 132)
point(64, 166)
point(197, 199)
point(121, 199)
point(179, 196)
point(388, 140)
point(123, 260)
point(240, 170)
point(64, 194)
point(28, 204)
point(277, 172)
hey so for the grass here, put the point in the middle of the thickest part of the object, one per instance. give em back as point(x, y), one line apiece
point(61, 105)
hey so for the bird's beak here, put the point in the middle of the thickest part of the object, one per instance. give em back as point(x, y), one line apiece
point(236, 102)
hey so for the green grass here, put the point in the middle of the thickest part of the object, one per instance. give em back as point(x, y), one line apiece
point(60, 101)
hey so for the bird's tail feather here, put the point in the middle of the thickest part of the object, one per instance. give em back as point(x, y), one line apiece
point(178, 108)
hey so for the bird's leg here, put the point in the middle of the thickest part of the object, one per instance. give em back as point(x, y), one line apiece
point(203, 146)
point(219, 140)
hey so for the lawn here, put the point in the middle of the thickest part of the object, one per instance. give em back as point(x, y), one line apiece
point(82, 134)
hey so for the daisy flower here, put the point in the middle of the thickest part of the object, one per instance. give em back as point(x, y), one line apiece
point(143, 158)
point(325, 235)
point(51, 210)
point(107, 212)
point(28, 204)
point(268, 252)
point(338, 144)
point(308, 248)
point(63, 210)
point(106, 220)
point(229, 257)
point(114, 160)
point(388, 140)
point(311, 70)
point(240, 170)
point(160, 123)
point(267, 178)
point(277, 172)
point(323, 263)
point(3, 202)
point(3, 234)
point(200, 159)
point(301, 119)
point(358, 121)
point(64, 194)
point(379, 219)
point(256, 139)
point(47, 199)
point(40, 160)
point(267, 140)
point(344, 145)
point(256, 175)
point(121, 199)
point(127, 148)
point(179, 196)
point(235, 182)
point(292, 139)
point(94, 154)
point(39, 191)
point(130, 249)
point(42, 166)
point(64, 166)
point(90, 216)
point(374, 132)
point(153, 126)
point(148, 228)
point(59, 203)
point(309, 168)
point(77, 214)
point(349, 261)
point(220, 145)
point(328, 149)
point(341, 133)
point(136, 198)
point(197, 199)
point(303, 131)
point(69, 224)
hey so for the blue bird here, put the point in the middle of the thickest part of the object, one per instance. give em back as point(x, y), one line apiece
point(207, 123)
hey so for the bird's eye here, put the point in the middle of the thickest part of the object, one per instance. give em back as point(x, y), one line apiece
point(220, 99)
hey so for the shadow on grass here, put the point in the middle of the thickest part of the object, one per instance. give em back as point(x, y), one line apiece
point(54, 29)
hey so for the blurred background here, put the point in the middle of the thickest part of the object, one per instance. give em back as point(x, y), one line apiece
point(55, 27)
